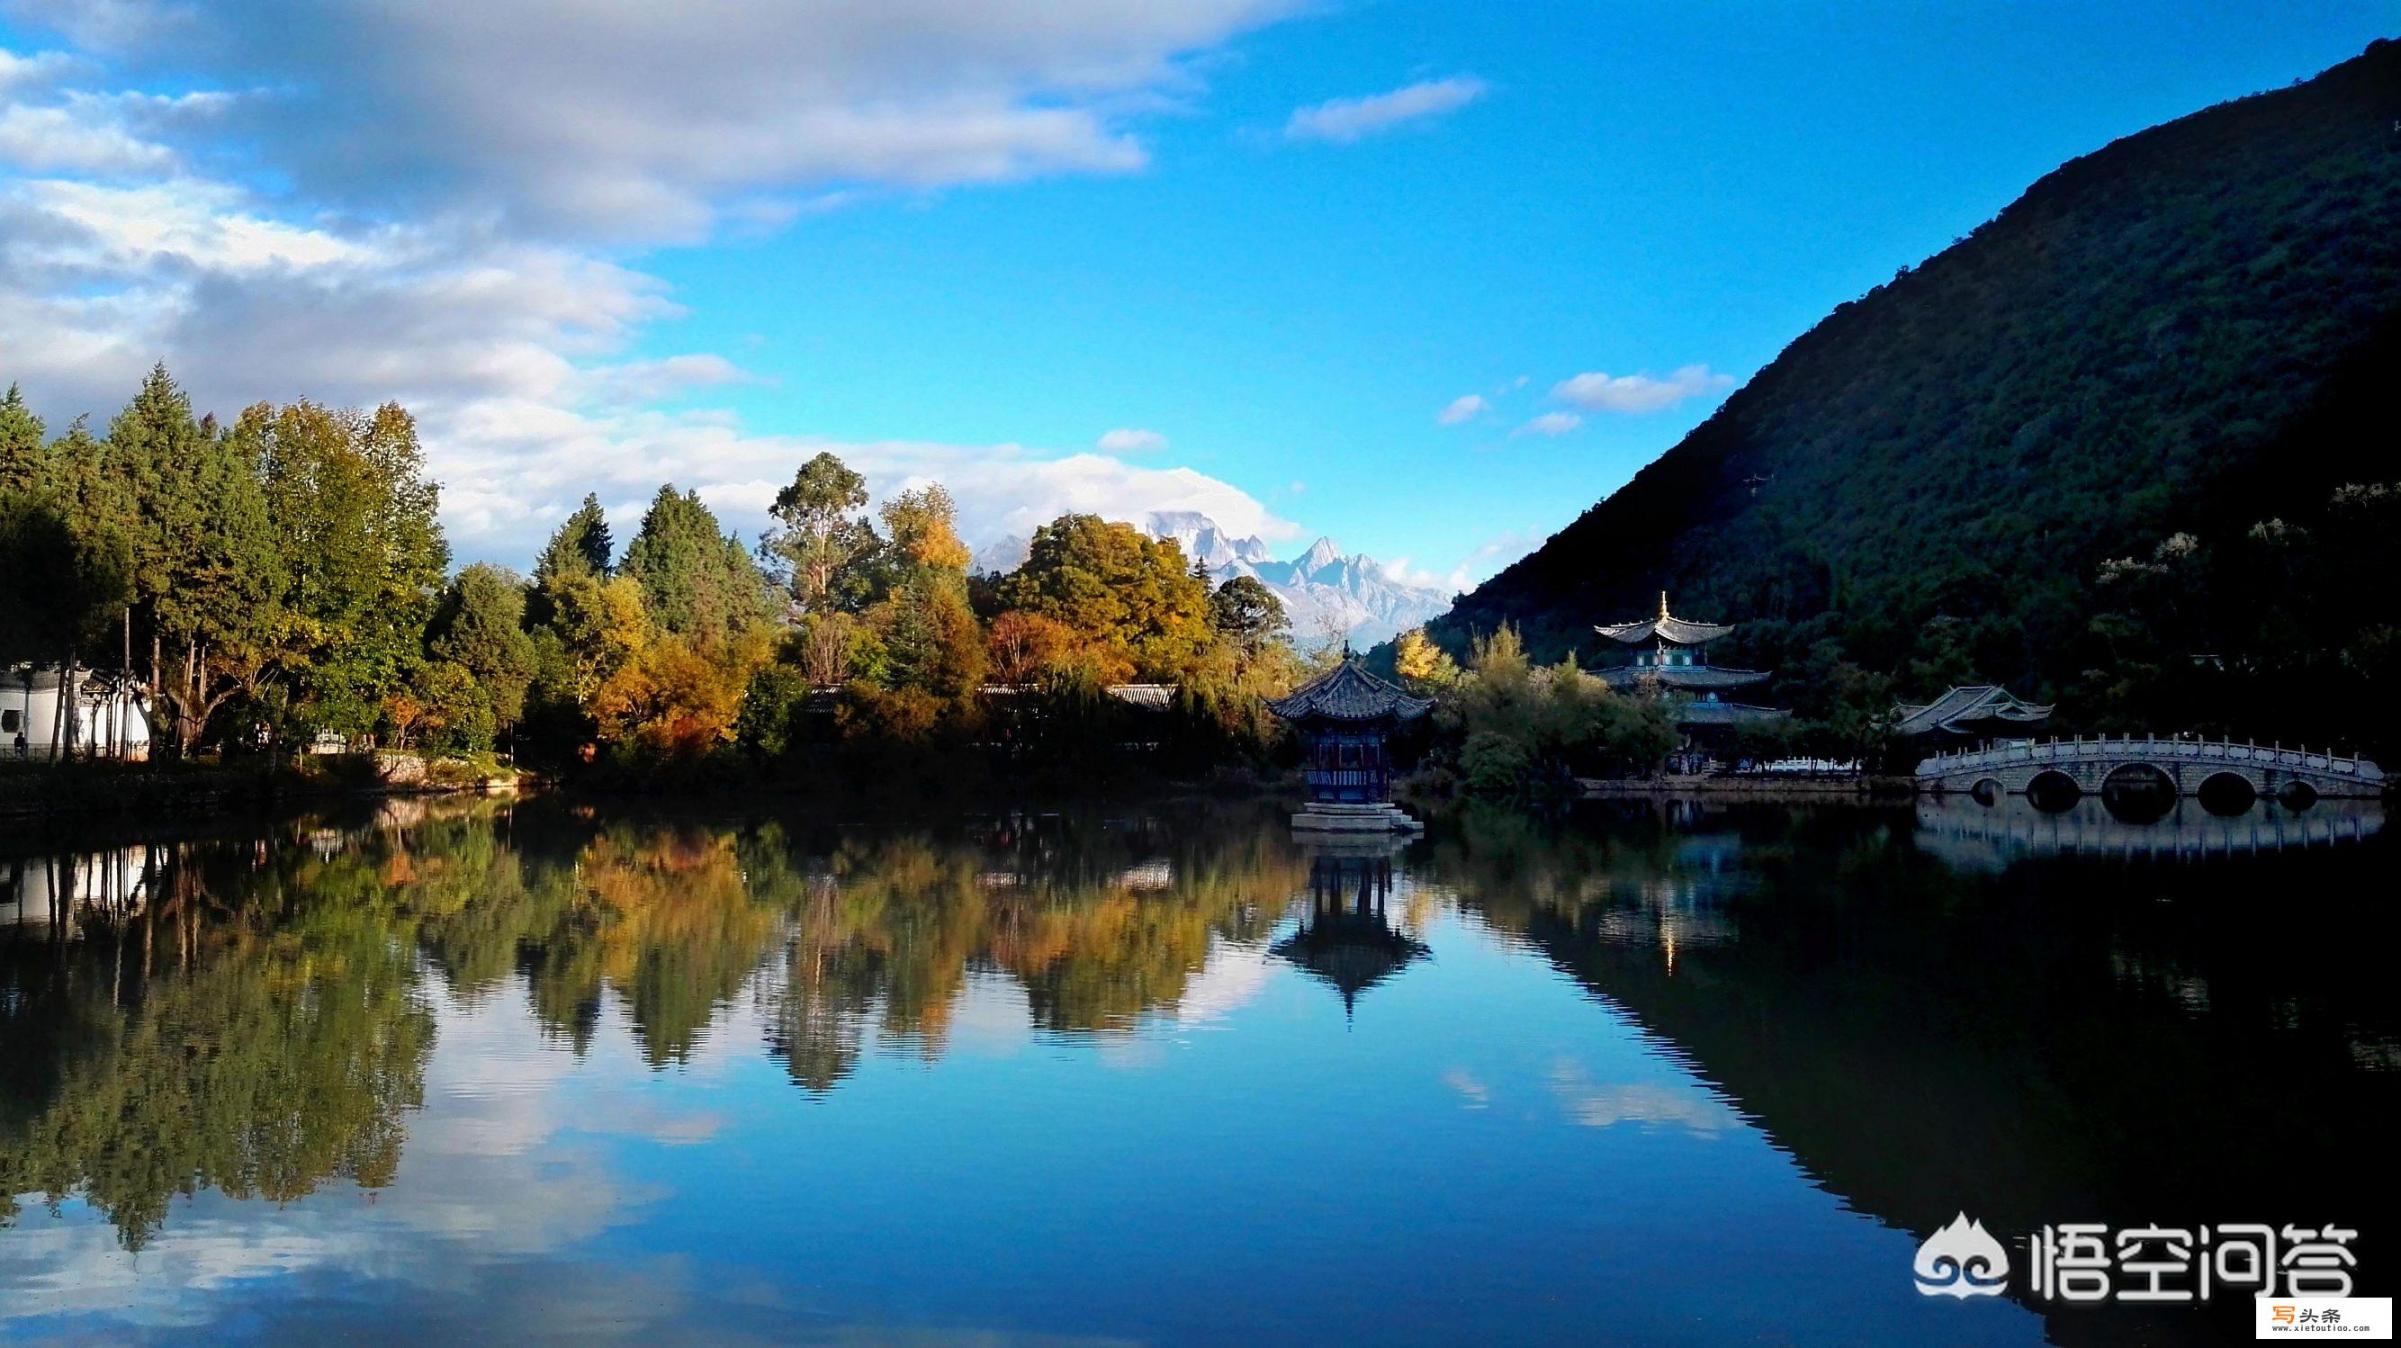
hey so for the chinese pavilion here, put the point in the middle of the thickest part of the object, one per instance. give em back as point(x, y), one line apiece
point(1970, 715)
point(1346, 719)
point(1674, 652)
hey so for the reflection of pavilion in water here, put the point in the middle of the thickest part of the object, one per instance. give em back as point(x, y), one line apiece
point(1972, 836)
point(1345, 937)
point(1675, 910)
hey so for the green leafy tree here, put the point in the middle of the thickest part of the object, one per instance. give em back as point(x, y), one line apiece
point(1248, 614)
point(822, 542)
point(1525, 731)
point(1131, 598)
point(930, 638)
point(364, 555)
point(217, 626)
point(479, 626)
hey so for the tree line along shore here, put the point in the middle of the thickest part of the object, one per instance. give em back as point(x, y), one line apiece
point(282, 582)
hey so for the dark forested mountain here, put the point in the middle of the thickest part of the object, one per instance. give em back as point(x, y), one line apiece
point(2098, 449)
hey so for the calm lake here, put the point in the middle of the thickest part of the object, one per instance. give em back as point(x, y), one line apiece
point(472, 1071)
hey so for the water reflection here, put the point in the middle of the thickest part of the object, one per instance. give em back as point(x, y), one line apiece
point(1346, 938)
point(2019, 1015)
point(1750, 1055)
point(1989, 836)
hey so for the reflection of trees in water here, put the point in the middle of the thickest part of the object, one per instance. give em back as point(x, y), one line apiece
point(2068, 1040)
point(252, 1015)
point(257, 1046)
point(1098, 926)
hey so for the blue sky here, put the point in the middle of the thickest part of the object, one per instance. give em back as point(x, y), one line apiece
point(964, 245)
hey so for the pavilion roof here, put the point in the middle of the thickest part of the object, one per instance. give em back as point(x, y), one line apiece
point(1349, 693)
point(1667, 626)
point(1963, 708)
point(1350, 951)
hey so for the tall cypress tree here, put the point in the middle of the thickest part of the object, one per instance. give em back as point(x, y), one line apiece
point(698, 581)
point(152, 479)
point(581, 545)
point(24, 458)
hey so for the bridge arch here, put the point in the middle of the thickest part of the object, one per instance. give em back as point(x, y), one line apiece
point(2139, 792)
point(2053, 790)
point(1987, 790)
point(2297, 795)
point(2227, 792)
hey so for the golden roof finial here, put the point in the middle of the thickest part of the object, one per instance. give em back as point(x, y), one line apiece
point(1663, 606)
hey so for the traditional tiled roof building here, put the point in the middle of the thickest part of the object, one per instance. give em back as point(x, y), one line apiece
point(1346, 718)
point(1980, 711)
point(1673, 651)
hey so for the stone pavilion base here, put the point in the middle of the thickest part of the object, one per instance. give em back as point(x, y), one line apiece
point(1328, 817)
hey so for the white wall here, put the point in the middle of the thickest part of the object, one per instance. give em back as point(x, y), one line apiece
point(99, 716)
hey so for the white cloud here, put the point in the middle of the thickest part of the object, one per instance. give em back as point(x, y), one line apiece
point(177, 222)
point(649, 122)
point(1405, 571)
point(25, 73)
point(486, 305)
point(1550, 423)
point(1464, 408)
point(1344, 120)
point(1479, 564)
point(1130, 440)
point(643, 381)
point(1637, 393)
point(50, 140)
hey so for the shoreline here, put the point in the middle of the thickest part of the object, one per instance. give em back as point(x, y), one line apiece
point(1747, 788)
point(32, 794)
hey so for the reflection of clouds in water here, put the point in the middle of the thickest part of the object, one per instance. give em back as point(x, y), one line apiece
point(1473, 1093)
point(1649, 1104)
point(1230, 979)
point(991, 1016)
point(499, 1165)
point(84, 1270)
point(1227, 982)
point(498, 1209)
point(1128, 1052)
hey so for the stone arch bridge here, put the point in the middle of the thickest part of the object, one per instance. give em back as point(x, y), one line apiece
point(2187, 764)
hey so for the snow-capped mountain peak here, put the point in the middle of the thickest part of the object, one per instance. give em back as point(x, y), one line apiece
point(1324, 591)
point(1203, 541)
point(1321, 554)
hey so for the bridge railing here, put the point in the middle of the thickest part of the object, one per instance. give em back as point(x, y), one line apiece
point(2127, 747)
